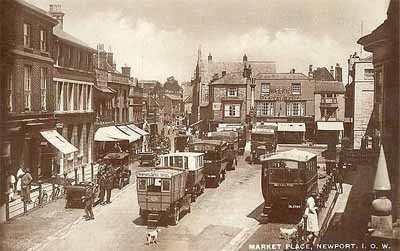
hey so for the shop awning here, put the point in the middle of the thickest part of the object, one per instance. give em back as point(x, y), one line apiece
point(134, 136)
point(137, 130)
point(110, 133)
point(330, 126)
point(291, 127)
point(58, 141)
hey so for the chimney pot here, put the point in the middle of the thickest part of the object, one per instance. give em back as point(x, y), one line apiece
point(56, 12)
point(209, 57)
point(245, 58)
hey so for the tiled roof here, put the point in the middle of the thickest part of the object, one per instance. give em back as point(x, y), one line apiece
point(322, 73)
point(230, 78)
point(68, 37)
point(35, 8)
point(329, 86)
point(208, 69)
point(281, 76)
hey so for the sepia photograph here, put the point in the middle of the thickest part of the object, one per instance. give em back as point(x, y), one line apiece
point(199, 125)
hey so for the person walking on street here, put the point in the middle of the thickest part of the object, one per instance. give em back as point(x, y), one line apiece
point(338, 176)
point(26, 186)
point(312, 224)
point(109, 185)
point(88, 201)
point(101, 181)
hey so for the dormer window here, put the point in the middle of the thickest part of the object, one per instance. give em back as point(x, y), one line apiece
point(232, 92)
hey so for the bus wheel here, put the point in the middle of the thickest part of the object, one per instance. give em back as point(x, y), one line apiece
point(193, 198)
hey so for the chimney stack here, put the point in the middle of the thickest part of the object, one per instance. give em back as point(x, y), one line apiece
point(223, 73)
point(110, 58)
point(310, 71)
point(332, 71)
point(56, 13)
point(338, 73)
point(126, 71)
point(293, 71)
point(209, 58)
point(244, 58)
point(101, 56)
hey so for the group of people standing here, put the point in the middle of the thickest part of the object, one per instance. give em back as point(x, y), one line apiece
point(20, 185)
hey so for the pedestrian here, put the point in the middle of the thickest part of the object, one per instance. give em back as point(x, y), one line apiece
point(311, 216)
point(363, 143)
point(339, 178)
point(168, 129)
point(20, 174)
point(88, 200)
point(26, 186)
point(109, 185)
point(102, 184)
point(11, 186)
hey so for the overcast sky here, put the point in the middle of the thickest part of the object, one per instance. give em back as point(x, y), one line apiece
point(160, 38)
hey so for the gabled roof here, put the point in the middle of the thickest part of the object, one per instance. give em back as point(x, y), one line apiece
point(208, 69)
point(231, 78)
point(322, 73)
point(329, 86)
point(281, 76)
point(70, 38)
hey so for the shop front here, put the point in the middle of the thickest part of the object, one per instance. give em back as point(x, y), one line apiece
point(329, 132)
point(291, 133)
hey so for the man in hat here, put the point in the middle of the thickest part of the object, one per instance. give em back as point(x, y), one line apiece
point(101, 181)
point(109, 180)
point(88, 200)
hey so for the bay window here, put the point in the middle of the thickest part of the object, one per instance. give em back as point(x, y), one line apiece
point(295, 109)
point(232, 110)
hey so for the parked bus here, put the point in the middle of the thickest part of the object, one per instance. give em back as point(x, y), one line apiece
point(263, 141)
point(214, 159)
point(287, 179)
point(231, 137)
point(194, 163)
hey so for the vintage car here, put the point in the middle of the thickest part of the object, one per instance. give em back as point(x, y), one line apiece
point(194, 163)
point(162, 194)
point(215, 159)
point(120, 170)
point(74, 194)
point(147, 159)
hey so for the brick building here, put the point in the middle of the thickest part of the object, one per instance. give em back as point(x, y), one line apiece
point(359, 98)
point(383, 42)
point(73, 81)
point(329, 113)
point(206, 71)
point(27, 96)
point(284, 98)
point(228, 99)
point(117, 106)
point(172, 108)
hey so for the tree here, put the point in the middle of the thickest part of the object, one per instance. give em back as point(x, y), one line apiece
point(172, 85)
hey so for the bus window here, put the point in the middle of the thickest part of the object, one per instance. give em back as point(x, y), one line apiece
point(186, 162)
point(178, 161)
point(171, 161)
point(142, 184)
point(165, 161)
point(291, 164)
point(154, 185)
point(166, 185)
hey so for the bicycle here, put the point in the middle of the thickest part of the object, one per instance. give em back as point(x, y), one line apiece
point(41, 201)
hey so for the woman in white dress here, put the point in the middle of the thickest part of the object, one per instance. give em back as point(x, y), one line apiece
point(312, 224)
point(20, 174)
